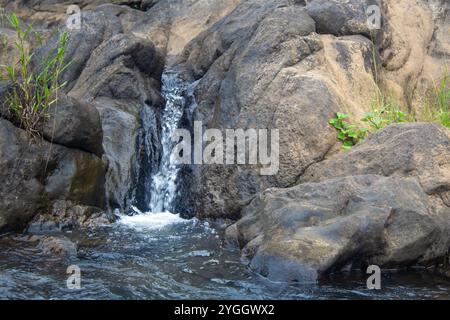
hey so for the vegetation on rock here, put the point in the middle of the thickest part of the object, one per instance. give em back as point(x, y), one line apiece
point(31, 92)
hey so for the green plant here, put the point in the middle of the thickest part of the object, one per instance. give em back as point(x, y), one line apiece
point(348, 133)
point(438, 105)
point(31, 92)
point(384, 112)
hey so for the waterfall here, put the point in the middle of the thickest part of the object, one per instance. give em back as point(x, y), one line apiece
point(163, 181)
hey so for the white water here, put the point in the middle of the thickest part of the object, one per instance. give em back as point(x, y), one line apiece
point(163, 187)
point(151, 221)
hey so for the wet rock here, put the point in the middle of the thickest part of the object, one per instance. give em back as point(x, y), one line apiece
point(117, 73)
point(21, 190)
point(376, 204)
point(35, 173)
point(58, 246)
point(67, 215)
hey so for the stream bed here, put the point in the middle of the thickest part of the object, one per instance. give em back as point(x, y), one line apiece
point(161, 256)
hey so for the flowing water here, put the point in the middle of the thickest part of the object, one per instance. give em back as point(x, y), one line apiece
point(162, 256)
point(163, 186)
point(159, 255)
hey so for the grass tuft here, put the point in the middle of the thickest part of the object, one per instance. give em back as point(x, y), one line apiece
point(31, 94)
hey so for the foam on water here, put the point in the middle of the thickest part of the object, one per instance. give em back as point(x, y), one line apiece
point(151, 221)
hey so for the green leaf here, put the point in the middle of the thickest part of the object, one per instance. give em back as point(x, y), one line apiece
point(341, 115)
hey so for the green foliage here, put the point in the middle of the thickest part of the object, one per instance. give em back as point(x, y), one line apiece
point(438, 105)
point(384, 112)
point(349, 134)
point(31, 93)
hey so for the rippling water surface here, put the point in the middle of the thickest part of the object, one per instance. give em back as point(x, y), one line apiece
point(161, 256)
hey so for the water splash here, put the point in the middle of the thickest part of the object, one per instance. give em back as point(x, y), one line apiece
point(163, 185)
point(151, 221)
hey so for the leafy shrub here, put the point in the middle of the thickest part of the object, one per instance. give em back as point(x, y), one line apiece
point(349, 134)
point(31, 93)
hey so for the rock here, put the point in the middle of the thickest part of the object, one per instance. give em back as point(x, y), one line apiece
point(48, 13)
point(58, 246)
point(75, 175)
point(74, 124)
point(67, 215)
point(414, 48)
point(35, 173)
point(342, 17)
point(270, 70)
point(373, 205)
point(172, 25)
point(21, 190)
point(96, 27)
point(419, 150)
point(118, 73)
point(113, 79)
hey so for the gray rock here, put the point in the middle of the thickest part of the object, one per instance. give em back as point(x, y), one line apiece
point(75, 175)
point(262, 66)
point(58, 246)
point(67, 215)
point(74, 124)
point(118, 73)
point(419, 150)
point(342, 17)
point(35, 173)
point(376, 204)
point(21, 190)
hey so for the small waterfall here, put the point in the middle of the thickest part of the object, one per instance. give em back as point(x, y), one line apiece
point(163, 181)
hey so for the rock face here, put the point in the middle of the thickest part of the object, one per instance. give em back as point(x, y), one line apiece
point(117, 74)
point(35, 173)
point(265, 67)
point(386, 203)
point(290, 65)
point(74, 124)
point(340, 17)
point(66, 215)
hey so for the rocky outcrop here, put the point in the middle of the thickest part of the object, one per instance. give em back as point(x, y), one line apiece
point(264, 66)
point(35, 173)
point(414, 49)
point(340, 18)
point(269, 64)
point(74, 124)
point(66, 216)
point(116, 73)
point(290, 65)
point(386, 202)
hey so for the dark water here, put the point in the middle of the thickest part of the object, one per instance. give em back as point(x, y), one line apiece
point(179, 260)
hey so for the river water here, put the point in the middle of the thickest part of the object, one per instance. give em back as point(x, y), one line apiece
point(159, 255)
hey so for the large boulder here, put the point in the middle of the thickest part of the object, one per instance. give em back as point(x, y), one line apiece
point(264, 67)
point(74, 124)
point(386, 203)
point(118, 74)
point(35, 173)
point(21, 190)
point(414, 49)
point(419, 150)
point(342, 17)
